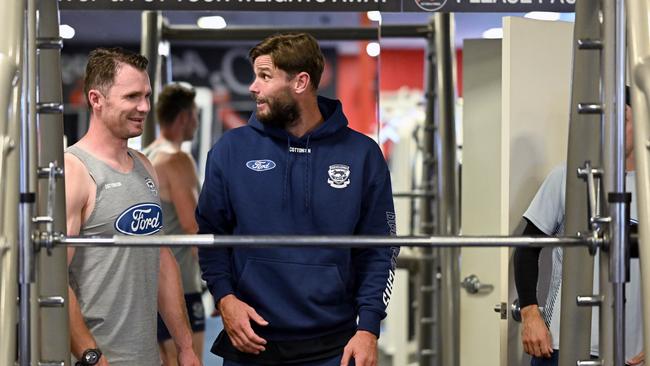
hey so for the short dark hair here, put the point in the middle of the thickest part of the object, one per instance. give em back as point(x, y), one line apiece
point(172, 100)
point(293, 53)
point(104, 63)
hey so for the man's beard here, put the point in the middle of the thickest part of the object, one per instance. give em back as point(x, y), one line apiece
point(282, 111)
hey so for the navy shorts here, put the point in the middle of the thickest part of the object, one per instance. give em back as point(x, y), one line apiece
point(195, 312)
point(543, 361)
point(334, 361)
point(552, 361)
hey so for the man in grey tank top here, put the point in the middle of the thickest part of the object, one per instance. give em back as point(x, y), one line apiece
point(111, 189)
point(178, 188)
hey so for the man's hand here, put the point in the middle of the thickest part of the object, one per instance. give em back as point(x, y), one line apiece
point(363, 348)
point(187, 357)
point(636, 360)
point(534, 333)
point(237, 316)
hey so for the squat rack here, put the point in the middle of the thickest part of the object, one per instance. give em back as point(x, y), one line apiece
point(439, 267)
point(40, 103)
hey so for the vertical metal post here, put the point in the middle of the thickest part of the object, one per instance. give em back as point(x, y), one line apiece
point(11, 45)
point(638, 43)
point(584, 144)
point(152, 23)
point(612, 315)
point(428, 304)
point(52, 275)
point(27, 188)
point(428, 301)
point(8, 187)
point(620, 245)
point(447, 193)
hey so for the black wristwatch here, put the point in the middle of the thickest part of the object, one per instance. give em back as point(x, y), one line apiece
point(90, 357)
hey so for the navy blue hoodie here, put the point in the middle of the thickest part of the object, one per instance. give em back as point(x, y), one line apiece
point(333, 181)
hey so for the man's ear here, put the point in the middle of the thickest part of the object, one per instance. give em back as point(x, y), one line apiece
point(94, 97)
point(302, 82)
point(184, 116)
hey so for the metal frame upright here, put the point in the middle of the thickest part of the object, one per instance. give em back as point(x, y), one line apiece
point(597, 114)
point(37, 244)
point(439, 273)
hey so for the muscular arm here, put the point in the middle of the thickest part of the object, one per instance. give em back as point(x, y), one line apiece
point(171, 303)
point(78, 187)
point(183, 189)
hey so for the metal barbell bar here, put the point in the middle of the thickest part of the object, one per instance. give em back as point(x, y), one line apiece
point(205, 240)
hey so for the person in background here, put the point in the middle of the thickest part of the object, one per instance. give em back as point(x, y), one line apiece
point(178, 187)
point(545, 217)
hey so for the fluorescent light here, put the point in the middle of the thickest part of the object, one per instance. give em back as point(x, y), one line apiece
point(543, 15)
point(163, 48)
point(493, 33)
point(374, 15)
point(373, 49)
point(212, 22)
point(66, 31)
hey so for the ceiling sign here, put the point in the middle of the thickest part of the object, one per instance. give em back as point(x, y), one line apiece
point(326, 5)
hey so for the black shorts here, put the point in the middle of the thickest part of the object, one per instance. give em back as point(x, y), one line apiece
point(196, 313)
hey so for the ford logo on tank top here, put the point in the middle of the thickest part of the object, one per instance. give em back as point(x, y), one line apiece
point(141, 219)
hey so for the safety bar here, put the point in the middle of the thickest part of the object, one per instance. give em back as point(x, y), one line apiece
point(194, 33)
point(206, 240)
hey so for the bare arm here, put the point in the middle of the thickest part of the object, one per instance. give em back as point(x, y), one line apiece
point(78, 189)
point(171, 302)
point(183, 189)
point(171, 306)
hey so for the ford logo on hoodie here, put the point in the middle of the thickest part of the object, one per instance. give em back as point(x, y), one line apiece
point(260, 165)
point(141, 219)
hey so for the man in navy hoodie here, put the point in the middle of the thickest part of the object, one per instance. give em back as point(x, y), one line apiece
point(296, 169)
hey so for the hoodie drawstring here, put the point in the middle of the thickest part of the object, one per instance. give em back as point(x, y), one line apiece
point(308, 177)
point(286, 173)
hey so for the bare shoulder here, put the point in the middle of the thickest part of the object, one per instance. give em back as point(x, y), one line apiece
point(147, 164)
point(75, 171)
point(183, 163)
point(181, 158)
point(79, 193)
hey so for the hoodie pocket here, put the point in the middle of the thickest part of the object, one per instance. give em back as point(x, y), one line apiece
point(295, 296)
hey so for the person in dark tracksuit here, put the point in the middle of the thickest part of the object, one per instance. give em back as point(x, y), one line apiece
point(296, 169)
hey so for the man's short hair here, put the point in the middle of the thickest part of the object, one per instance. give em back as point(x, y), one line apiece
point(293, 53)
point(172, 100)
point(103, 65)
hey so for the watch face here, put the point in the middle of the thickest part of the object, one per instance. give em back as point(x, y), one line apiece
point(91, 357)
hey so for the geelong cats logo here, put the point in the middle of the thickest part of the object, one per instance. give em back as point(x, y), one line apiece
point(339, 176)
point(142, 219)
point(260, 165)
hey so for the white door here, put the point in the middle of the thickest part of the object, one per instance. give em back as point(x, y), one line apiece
point(515, 124)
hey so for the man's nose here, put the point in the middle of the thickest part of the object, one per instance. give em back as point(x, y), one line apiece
point(144, 105)
point(253, 87)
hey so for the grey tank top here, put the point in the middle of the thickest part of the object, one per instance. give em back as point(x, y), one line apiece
point(187, 262)
point(117, 287)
